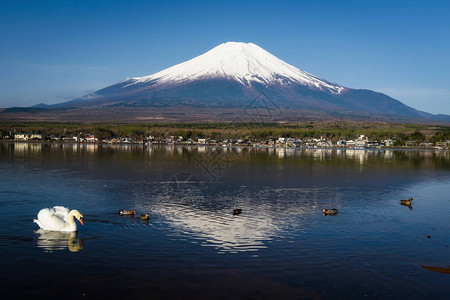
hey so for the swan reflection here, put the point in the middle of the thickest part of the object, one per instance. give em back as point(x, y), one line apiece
point(58, 240)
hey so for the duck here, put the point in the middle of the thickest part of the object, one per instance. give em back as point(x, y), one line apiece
point(145, 217)
point(331, 211)
point(124, 212)
point(237, 211)
point(406, 202)
point(58, 218)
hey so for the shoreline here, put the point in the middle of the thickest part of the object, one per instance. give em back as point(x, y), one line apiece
point(404, 148)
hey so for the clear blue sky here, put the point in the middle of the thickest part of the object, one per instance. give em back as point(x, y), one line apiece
point(53, 51)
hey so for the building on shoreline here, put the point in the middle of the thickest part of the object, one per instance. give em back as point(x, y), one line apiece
point(361, 142)
point(27, 136)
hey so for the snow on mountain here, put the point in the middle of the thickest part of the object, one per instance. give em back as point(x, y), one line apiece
point(243, 62)
point(232, 74)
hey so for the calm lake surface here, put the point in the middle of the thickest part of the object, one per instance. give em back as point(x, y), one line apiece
point(193, 247)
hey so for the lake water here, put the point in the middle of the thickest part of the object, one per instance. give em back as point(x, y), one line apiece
point(193, 247)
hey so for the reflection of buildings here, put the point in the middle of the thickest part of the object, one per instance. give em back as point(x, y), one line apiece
point(281, 152)
point(20, 148)
point(318, 154)
point(290, 152)
point(25, 148)
point(71, 146)
point(428, 153)
point(360, 155)
point(150, 151)
point(170, 149)
point(201, 149)
point(58, 240)
point(179, 150)
point(284, 152)
point(91, 148)
point(388, 155)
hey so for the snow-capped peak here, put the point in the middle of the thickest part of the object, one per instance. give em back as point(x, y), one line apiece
point(244, 62)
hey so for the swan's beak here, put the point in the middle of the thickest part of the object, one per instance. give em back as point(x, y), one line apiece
point(81, 221)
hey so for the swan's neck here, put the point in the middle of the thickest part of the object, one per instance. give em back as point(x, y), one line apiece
point(70, 219)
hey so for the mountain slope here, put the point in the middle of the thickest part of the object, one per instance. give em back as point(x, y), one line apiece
point(232, 74)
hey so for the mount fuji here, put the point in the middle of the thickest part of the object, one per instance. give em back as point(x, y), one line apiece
point(232, 74)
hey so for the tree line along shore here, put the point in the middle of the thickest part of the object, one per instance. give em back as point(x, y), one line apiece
point(331, 132)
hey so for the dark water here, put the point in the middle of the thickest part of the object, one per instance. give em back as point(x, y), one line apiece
point(193, 247)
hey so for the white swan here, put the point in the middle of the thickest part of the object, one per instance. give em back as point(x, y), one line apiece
point(58, 218)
